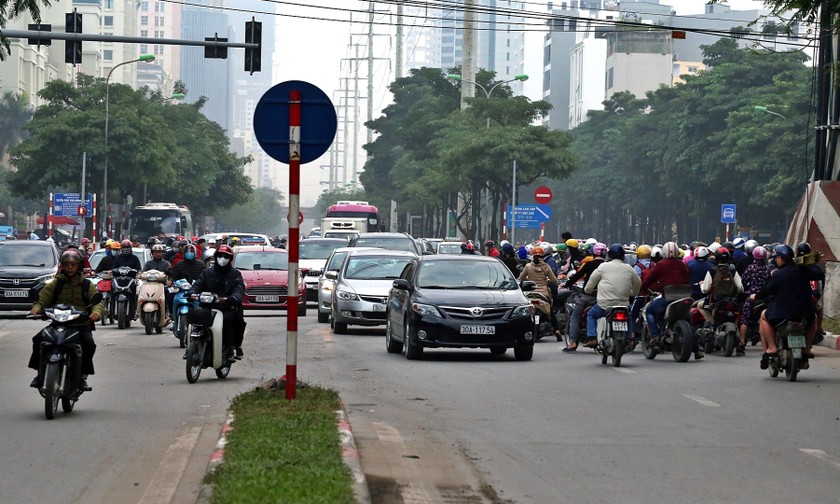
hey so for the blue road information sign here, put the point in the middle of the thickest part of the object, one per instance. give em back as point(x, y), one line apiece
point(538, 213)
point(318, 121)
point(67, 204)
point(727, 214)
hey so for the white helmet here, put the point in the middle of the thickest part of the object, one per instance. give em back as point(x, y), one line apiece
point(750, 246)
point(502, 243)
point(656, 253)
point(713, 247)
point(670, 250)
point(739, 243)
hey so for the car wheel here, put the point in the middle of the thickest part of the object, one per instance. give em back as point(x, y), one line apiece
point(339, 327)
point(523, 353)
point(302, 309)
point(391, 345)
point(413, 351)
point(323, 318)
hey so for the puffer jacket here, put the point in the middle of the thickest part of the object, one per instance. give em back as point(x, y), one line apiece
point(615, 282)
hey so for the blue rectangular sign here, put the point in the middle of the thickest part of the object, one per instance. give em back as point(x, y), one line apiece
point(727, 214)
point(67, 204)
point(528, 224)
point(538, 213)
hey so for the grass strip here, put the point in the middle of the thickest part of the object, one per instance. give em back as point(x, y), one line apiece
point(283, 451)
point(831, 325)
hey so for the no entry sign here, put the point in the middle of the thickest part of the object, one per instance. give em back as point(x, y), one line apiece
point(542, 195)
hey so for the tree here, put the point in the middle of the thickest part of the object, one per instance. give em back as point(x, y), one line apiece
point(14, 114)
point(262, 212)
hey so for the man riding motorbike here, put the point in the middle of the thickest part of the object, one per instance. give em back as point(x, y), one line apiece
point(225, 281)
point(540, 273)
point(67, 289)
point(126, 258)
point(670, 270)
point(107, 262)
point(599, 251)
point(509, 258)
point(615, 283)
point(190, 268)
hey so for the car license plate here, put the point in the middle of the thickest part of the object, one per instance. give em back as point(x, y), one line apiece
point(268, 299)
point(796, 341)
point(378, 307)
point(478, 329)
point(16, 293)
point(619, 326)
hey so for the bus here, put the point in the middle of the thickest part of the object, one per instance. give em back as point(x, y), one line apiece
point(155, 219)
point(358, 216)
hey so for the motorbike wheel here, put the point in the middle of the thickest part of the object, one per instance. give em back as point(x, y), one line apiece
point(682, 341)
point(111, 310)
point(391, 345)
point(182, 330)
point(222, 372)
point(709, 347)
point(148, 322)
point(52, 386)
point(122, 317)
point(647, 350)
point(195, 357)
point(67, 404)
point(792, 368)
point(604, 357)
point(618, 351)
point(730, 343)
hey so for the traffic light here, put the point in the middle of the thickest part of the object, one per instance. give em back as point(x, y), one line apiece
point(82, 210)
point(253, 35)
point(38, 27)
point(73, 48)
point(215, 52)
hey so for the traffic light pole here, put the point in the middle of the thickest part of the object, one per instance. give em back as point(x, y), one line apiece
point(98, 37)
point(83, 198)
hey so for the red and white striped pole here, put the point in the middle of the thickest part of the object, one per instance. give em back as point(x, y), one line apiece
point(542, 231)
point(504, 221)
point(94, 240)
point(294, 244)
point(50, 217)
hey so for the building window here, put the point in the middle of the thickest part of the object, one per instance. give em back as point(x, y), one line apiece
point(109, 4)
point(108, 20)
point(108, 54)
point(609, 78)
point(144, 6)
point(159, 6)
point(144, 33)
point(144, 48)
point(144, 20)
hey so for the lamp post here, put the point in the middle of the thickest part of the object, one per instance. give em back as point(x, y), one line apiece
point(175, 96)
point(142, 58)
point(765, 109)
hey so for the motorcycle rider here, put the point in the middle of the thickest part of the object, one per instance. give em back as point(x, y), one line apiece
point(755, 279)
point(179, 255)
point(670, 270)
point(190, 268)
point(509, 258)
point(490, 248)
point(112, 248)
point(540, 273)
point(126, 258)
point(468, 247)
point(615, 283)
point(789, 293)
point(72, 282)
point(599, 251)
point(157, 262)
point(698, 268)
point(225, 281)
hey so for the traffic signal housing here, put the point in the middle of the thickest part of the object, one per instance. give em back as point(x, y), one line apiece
point(253, 35)
point(73, 48)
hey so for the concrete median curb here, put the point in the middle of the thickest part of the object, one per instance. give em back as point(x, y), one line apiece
point(351, 457)
point(830, 341)
point(216, 458)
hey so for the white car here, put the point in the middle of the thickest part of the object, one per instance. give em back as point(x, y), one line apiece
point(326, 285)
point(244, 238)
point(314, 253)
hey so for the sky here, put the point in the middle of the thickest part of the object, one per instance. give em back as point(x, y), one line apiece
point(316, 42)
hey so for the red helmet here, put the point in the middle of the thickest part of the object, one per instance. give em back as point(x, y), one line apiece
point(180, 237)
point(224, 249)
point(125, 244)
point(85, 241)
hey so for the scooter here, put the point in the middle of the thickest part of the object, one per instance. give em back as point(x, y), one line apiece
point(59, 370)
point(791, 343)
point(677, 336)
point(152, 300)
point(723, 334)
point(205, 347)
point(542, 314)
point(613, 335)
point(181, 307)
point(103, 285)
point(123, 292)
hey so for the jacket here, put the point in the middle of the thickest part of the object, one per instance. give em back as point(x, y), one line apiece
point(789, 290)
point(667, 272)
point(615, 282)
point(129, 260)
point(584, 272)
point(190, 270)
point(162, 266)
point(225, 282)
point(540, 274)
point(70, 294)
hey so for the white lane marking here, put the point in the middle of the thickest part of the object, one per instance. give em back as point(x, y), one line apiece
point(702, 400)
point(387, 434)
point(413, 492)
point(165, 481)
point(624, 370)
point(831, 459)
point(4, 333)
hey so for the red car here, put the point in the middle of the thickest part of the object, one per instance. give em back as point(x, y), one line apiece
point(265, 271)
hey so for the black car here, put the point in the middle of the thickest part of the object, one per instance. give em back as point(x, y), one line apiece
point(455, 301)
point(24, 265)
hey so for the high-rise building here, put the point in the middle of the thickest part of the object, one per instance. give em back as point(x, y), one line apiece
point(207, 77)
point(158, 19)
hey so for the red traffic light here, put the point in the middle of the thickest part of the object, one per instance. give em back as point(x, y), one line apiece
point(82, 210)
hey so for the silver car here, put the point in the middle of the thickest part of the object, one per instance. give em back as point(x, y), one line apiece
point(326, 285)
point(362, 286)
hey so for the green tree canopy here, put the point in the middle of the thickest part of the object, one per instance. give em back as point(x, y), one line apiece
point(262, 213)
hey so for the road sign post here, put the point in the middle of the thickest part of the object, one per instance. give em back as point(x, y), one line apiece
point(727, 216)
point(311, 120)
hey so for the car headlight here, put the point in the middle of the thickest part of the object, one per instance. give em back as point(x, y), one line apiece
point(44, 278)
point(347, 295)
point(328, 285)
point(425, 310)
point(523, 311)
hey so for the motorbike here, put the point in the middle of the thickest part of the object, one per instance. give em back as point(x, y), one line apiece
point(613, 335)
point(59, 370)
point(791, 343)
point(152, 300)
point(723, 332)
point(181, 307)
point(753, 334)
point(542, 312)
point(205, 347)
point(122, 287)
point(103, 285)
point(676, 336)
point(571, 302)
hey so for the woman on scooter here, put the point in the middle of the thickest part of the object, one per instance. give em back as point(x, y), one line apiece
point(540, 273)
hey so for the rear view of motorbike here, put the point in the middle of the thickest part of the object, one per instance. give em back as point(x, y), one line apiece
point(613, 335)
point(791, 344)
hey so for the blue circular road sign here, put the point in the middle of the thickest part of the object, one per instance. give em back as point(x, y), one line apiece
point(318, 121)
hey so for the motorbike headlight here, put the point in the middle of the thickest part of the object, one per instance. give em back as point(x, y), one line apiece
point(425, 310)
point(63, 315)
point(347, 295)
point(523, 311)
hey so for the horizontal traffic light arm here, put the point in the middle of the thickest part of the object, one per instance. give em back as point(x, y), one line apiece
point(96, 37)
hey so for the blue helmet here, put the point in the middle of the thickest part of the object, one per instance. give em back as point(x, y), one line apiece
point(616, 251)
point(784, 251)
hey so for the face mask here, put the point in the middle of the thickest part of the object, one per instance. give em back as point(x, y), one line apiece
point(537, 259)
point(107, 252)
point(222, 261)
point(189, 256)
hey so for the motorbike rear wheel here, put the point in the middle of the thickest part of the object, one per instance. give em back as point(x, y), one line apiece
point(730, 343)
point(792, 368)
point(148, 322)
point(52, 388)
point(682, 341)
point(644, 340)
point(195, 358)
point(182, 330)
point(618, 351)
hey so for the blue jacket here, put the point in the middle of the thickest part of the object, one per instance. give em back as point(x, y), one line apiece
point(696, 274)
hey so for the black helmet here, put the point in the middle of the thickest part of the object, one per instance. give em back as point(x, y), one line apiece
point(722, 255)
point(507, 248)
point(784, 251)
point(616, 251)
point(803, 248)
point(728, 245)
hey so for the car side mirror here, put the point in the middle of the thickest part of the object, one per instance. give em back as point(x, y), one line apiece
point(401, 284)
point(528, 285)
point(332, 275)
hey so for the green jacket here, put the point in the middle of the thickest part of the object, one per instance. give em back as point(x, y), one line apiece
point(70, 294)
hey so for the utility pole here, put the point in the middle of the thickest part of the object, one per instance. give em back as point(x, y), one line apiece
point(468, 46)
point(398, 68)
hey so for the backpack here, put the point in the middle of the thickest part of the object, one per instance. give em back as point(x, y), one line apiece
point(646, 270)
point(723, 283)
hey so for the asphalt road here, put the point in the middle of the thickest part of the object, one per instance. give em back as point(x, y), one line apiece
point(457, 427)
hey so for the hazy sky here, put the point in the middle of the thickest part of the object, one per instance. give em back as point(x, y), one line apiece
point(317, 45)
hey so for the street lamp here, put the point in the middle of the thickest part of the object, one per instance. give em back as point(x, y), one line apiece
point(765, 109)
point(175, 96)
point(456, 77)
point(143, 58)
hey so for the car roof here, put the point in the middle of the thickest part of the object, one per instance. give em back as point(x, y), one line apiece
point(385, 235)
point(457, 257)
point(369, 251)
point(258, 248)
point(20, 243)
point(323, 240)
point(354, 249)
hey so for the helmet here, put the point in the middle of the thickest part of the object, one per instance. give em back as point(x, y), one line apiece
point(157, 247)
point(728, 245)
point(548, 248)
point(722, 255)
point(489, 243)
point(560, 247)
point(803, 248)
point(616, 251)
point(572, 243)
point(643, 252)
point(224, 249)
point(713, 247)
point(71, 255)
point(85, 241)
point(670, 250)
point(656, 253)
point(507, 248)
point(599, 249)
point(195, 239)
point(151, 241)
point(180, 237)
point(701, 253)
point(589, 243)
point(125, 244)
point(502, 243)
point(750, 246)
point(759, 252)
point(784, 251)
point(115, 245)
point(235, 240)
point(537, 251)
point(739, 243)
point(212, 242)
point(467, 246)
point(183, 243)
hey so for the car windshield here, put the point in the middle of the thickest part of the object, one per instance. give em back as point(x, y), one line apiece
point(27, 256)
point(404, 244)
point(375, 267)
point(449, 248)
point(335, 262)
point(438, 274)
point(317, 250)
point(261, 261)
